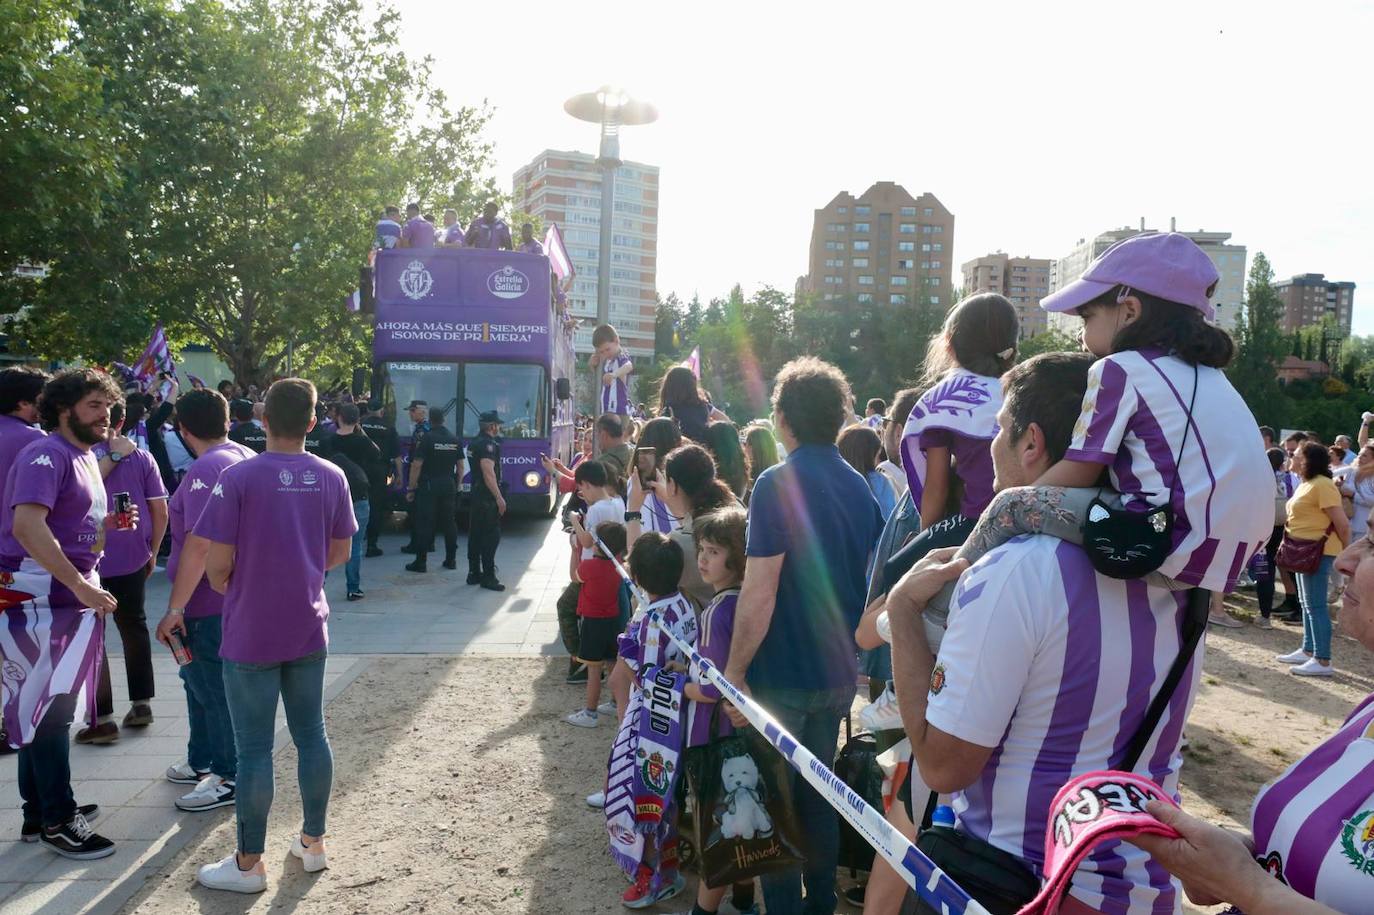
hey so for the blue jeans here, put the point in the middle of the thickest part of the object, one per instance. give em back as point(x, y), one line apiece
point(813, 717)
point(211, 744)
point(252, 691)
point(1316, 619)
point(45, 773)
point(354, 567)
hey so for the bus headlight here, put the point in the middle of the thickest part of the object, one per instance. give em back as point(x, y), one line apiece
point(532, 479)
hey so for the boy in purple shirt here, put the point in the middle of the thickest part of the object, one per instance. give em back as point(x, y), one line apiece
point(194, 608)
point(276, 523)
point(124, 571)
point(720, 560)
point(52, 531)
point(616, 369)
point(418, 232)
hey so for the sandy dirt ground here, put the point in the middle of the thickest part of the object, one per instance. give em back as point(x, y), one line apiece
point(458, 789)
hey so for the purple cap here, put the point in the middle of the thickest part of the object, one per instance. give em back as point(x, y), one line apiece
point(1166, 265)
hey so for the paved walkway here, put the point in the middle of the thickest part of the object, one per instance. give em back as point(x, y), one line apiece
point(404, 613)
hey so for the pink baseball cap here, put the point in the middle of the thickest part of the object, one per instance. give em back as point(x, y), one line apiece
point(1167, 265)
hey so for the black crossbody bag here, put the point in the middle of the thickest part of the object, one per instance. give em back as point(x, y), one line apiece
point(1130, 544)
point(1001, 882)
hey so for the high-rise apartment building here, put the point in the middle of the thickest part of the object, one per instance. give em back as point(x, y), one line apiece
point(883, 247)
point(1229, 260)
point(565, 187)
point(1309, 297)
point(1023, 280)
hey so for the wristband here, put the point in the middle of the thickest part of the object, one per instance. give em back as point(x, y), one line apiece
point(633, 516)
point(181, 610)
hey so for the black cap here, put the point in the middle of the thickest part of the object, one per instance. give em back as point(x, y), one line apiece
point(417, 403)
point(374, 405)
point(491, 416)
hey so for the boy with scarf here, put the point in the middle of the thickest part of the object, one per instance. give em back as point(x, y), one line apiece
point(641, 779)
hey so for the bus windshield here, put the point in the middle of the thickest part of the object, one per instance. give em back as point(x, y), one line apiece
point(436, 383)
point(520, 393)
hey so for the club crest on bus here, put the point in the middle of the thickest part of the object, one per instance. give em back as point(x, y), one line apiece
point(416, 280)
point(508, 283)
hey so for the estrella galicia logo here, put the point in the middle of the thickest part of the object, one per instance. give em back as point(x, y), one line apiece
point(416, 281)
point(508, 283)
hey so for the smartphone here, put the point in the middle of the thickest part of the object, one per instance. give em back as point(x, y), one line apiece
point(646, 463)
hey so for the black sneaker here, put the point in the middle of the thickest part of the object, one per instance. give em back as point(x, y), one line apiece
point(31, 831)
point(77, 840)
point(408, 548)
point(855, 895)
point(491, 584)
point(578, 675)
point(373, 551)
point(355, 595)
point(450, 563)
point(474, 578)
point(140, 716)
point(103, 733)
point(416, 566)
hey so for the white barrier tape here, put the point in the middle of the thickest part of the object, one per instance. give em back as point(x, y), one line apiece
point(936, 888)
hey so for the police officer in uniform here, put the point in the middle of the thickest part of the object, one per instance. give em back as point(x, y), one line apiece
point(419, 425)
point(383, 435)
point(488, 503)
point(435, 469)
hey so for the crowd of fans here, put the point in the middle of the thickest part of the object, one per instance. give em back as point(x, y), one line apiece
point(1018, 556)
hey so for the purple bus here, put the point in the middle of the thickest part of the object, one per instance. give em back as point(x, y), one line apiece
point(472, 330)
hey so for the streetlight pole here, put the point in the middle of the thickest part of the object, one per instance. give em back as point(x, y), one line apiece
point(612, 109)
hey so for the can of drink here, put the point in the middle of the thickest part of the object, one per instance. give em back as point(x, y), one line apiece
point(123, 511)
point(180, 652)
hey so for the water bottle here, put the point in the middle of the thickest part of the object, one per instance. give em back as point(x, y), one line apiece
point(942, 818)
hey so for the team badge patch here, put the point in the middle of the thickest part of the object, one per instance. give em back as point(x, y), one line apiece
point(937, 680)
point(1357, 842)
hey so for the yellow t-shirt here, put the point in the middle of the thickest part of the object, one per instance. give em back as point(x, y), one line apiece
point(1307, 517)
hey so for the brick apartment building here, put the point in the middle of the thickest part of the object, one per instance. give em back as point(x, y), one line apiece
point(1023, 280)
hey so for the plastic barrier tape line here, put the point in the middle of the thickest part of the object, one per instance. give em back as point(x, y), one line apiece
point(933, 885)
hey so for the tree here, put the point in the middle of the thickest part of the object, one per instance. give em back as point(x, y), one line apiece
point(256, 144)
point(1260, 346)
point(1050, 341)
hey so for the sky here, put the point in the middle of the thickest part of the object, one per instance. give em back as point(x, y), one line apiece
point(1036, 124)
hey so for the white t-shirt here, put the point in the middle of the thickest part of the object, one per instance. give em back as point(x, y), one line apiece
point(1054, 666)
point(1133, 421)
point(612, 509)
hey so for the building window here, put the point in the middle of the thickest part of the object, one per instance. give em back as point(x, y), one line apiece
point(834, 246)
point(860, 246)
point(897, 298)
point(938, 246)
point(908, 211)
point(907, 228)
point(938, 230)
point(929, 211)
point(860, 262)
point(865, 298)
point(861, 227)
point(932, 281)
point(866, 279)
point(899, 281)
point(906, 265)
point(925, 265)
point(906, 246)
point(926, 229)
point(935, 300)
point(934, 265)
point(862, 211)
point(842, 210)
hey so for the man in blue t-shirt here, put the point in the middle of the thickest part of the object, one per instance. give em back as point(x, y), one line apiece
point(813, 523)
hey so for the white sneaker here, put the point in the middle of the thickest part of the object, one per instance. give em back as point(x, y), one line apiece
point(225, 875)
point(1263, 622)
point(882, 714)
point(312, 856)
point(183, 774)
point(1294, 657)
point(583, 718)
point(212, 792)
point(1312, 668)
point(606, 708)
point(597, 800)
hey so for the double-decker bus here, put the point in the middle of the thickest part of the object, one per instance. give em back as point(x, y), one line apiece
point(472, 330)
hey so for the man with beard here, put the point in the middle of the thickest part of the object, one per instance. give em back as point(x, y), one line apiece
point(52, 533)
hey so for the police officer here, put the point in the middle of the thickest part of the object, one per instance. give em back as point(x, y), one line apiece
point(419, 425)
point(383, 435)
point(435, 469)
point(488, 503)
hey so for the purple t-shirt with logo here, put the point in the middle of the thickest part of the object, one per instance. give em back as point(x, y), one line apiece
point(419, 233)
point(15, 435)
point(187, 504)
point(279, 512)
point(128, 551)
point(54, 473)
point(453, 235)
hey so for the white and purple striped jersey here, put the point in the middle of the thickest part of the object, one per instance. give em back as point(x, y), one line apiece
point(615, 397)
point(1314, 824)
point(1054, 666)
point(654, 516)
point(1133, 420)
